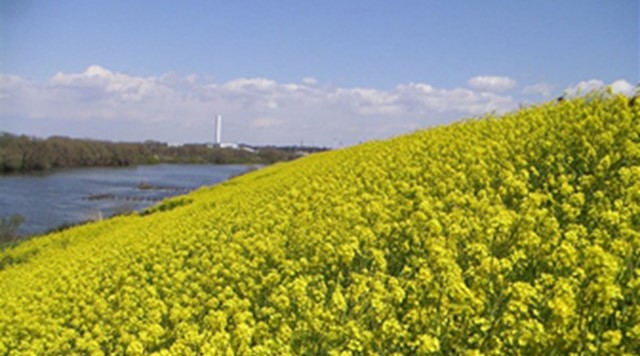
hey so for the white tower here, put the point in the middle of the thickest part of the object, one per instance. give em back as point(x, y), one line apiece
point(218, 130)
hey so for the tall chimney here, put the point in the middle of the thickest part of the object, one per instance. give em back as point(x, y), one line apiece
point(218, 129)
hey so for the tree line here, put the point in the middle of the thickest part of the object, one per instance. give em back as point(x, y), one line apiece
point(22, 154)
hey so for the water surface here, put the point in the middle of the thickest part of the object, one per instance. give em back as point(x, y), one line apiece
point(70, 196)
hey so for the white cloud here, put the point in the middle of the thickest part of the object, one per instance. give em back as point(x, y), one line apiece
point(492, 83)
point(108, 84)
point(617, 87)
point(250, 84)
point(623, 87)
point(255, 110)
point(424, 98)
point(366, 101)
point(542, 88)
point(584, 86)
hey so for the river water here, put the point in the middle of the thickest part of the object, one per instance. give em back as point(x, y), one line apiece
point(47, 201)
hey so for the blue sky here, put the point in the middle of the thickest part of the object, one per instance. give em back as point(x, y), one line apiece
point(327, 72)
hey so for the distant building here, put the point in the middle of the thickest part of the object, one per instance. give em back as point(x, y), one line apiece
point(218, 136)
point(228, 145)
point(218, 140)
point(247, 148)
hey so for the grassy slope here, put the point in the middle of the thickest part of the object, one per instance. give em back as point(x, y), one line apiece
point(498, 235)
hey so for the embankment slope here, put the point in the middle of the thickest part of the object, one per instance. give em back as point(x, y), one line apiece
point(513, 234)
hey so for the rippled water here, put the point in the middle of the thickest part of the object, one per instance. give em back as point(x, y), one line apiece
point(70, 196)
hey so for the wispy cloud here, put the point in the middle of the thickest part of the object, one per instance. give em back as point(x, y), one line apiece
point(266, 122)
point(257, 110)
point(542, 88)
point(490, 83)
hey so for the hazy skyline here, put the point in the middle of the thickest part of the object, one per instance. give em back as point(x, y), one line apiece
point(326, 73)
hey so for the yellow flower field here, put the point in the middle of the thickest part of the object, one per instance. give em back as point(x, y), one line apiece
point(517, 234)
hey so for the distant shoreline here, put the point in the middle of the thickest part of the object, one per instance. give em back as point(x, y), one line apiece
point(27, 155)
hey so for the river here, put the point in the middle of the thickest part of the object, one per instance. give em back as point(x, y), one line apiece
point(70, 196)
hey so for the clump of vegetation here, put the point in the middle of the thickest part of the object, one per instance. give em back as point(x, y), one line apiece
point(505, 235)
point(9, 227)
